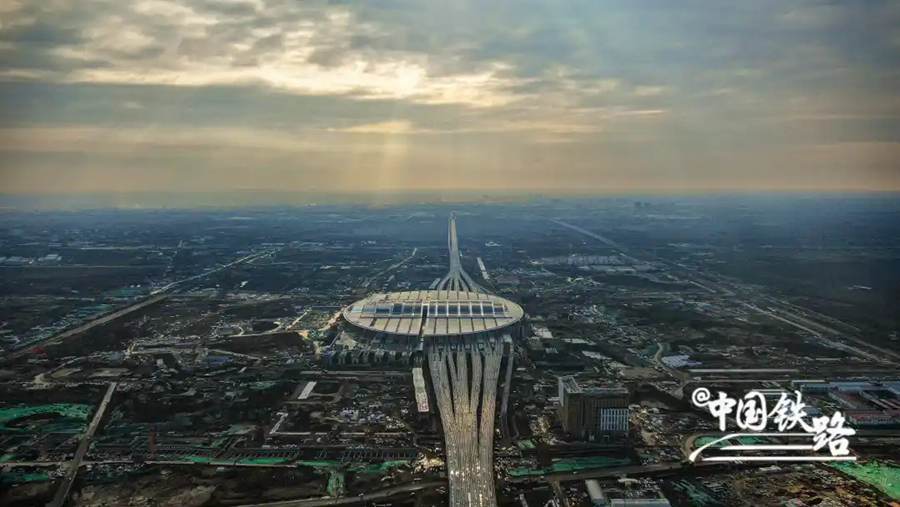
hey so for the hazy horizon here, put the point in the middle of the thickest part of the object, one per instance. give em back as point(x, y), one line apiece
point(259, 199)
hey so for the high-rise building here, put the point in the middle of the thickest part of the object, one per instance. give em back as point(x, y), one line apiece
point(593, 413)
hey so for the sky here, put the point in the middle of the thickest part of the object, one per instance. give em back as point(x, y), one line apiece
point(587, 96)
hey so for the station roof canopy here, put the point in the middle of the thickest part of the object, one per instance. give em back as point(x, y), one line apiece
point(433, 313)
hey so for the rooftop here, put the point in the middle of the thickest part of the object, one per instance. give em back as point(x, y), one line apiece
point(433, 312)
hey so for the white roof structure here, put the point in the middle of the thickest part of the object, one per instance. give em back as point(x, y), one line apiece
point(433, 313)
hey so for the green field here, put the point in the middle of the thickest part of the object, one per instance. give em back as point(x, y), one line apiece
point(883, 476)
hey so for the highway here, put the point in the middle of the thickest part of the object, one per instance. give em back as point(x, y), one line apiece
point(155, 296)
point(390, 268)
point(247, 258)
point(790, 317)
point(606, 241)
point(624, 471)
point(780, 310)
point(59, 499)
point(89, 325)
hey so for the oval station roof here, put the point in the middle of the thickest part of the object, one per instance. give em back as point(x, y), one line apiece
point(433, 313)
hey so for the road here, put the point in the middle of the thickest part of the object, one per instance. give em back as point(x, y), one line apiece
point(132, 351)
point(383, 494)
point(246, 258)
point(155, 296)
point(778, 309)
point(603, 239)
point(59, 499)
point(390, 268)
point(90, 325)
point(657, 358)
point(616, 472)
point(819, 330)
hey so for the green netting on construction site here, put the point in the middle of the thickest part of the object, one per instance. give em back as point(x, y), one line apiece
point(883, 476)
point(69, 410)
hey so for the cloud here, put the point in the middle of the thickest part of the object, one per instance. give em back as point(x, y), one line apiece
point(649, 91)
point(641, 88)
point(384, 127)
point(304, 51)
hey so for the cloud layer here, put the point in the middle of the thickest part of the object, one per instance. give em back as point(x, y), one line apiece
point(104, 95)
